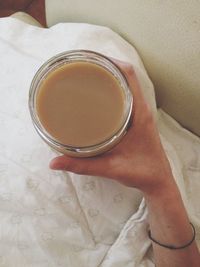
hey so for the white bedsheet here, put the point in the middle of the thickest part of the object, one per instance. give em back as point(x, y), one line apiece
point(59, 219)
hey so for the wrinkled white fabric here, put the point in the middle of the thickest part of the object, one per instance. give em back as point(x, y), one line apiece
point(59, 219)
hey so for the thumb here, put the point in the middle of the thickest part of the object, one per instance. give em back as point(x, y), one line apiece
point(89, 166)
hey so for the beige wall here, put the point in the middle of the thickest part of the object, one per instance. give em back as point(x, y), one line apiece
point(167, 35)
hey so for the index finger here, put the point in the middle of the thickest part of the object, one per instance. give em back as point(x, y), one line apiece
point(129, 72)
point(134, 85)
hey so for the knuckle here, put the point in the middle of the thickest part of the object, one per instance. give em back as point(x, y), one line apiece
point(79, 167)
point(70, 165)
point(149, 116)
point(76, 168)
point(129, 70)
point(146, 116)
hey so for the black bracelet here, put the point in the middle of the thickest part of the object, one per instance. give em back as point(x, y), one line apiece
point(172, 246)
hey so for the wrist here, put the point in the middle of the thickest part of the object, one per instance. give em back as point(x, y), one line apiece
point(164, 192)
point(159, 179)
point(166, 209)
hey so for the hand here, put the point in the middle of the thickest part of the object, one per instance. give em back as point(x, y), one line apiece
point(138, 160)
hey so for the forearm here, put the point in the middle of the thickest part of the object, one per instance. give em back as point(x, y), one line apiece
point(169, 224)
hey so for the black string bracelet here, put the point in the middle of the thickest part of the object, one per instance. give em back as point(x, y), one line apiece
point(172, 246)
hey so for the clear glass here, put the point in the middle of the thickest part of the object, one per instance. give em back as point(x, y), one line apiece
point(67, 58)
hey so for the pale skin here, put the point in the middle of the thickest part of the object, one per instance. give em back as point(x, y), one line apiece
point(139, 161)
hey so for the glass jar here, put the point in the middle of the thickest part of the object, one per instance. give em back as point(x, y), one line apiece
point(71, 57)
